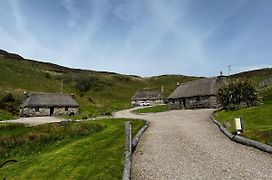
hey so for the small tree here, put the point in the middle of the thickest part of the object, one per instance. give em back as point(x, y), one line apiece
point(237, 92)
point(8, 98)
point(85, 83)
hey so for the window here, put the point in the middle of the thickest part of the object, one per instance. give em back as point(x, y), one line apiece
point(36, 109)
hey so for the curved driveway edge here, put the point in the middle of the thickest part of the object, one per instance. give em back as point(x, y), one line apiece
point(185, 144)
point(243, 140)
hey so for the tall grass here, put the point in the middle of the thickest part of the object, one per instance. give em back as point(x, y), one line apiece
point(17, 138)
point(81, 150)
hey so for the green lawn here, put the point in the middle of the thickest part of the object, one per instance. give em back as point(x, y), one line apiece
point(82, 150)
point(5, 115)
point(155, 109)
point(257, 121)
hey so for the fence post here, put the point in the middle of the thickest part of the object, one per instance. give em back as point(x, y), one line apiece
point(128, 151)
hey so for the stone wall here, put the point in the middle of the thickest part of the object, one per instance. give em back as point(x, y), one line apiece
point(176, 104)
point(29, 112)
point(194, 103)
point(61, 111)
point(152, 102)
point(58, 111)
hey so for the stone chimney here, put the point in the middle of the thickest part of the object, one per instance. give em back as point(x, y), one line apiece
point(221, 78)
point(26, 95)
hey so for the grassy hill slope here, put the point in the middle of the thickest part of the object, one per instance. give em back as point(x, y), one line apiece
point(109, 91)
point(262, 79)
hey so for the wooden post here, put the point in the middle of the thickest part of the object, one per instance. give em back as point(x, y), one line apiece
point(128, 151)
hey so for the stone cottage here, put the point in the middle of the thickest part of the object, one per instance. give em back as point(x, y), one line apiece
point(147, 96)
point(48, 104)
point(196, 94)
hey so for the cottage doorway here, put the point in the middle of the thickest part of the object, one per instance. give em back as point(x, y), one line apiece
point(184, 102)
point(51, 111)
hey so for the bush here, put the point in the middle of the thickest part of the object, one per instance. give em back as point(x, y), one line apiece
point(47, 75)
point(8, 98)
point(85, 83)
point(267, 93)
point(235, 93)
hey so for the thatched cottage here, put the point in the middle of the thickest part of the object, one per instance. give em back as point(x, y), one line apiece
point(196, 94)
point(48, 104)
point(146, 96)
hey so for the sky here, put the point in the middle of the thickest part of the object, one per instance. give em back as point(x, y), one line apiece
point(141, 37)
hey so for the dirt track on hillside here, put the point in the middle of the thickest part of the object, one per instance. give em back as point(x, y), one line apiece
point(187, 145)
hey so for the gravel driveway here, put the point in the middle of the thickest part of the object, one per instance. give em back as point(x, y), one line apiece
point(186, 144)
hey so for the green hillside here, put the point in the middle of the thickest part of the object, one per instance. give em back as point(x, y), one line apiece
point(108, 91)
point(262, 78)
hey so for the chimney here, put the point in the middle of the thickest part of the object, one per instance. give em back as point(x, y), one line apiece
point(221, 78)
point(26, 95)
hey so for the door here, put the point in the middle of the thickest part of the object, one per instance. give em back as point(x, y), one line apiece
point(184, 102)
point(51, 111)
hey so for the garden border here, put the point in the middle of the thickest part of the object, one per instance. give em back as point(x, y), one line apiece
point(130, 147)
point(242, 140)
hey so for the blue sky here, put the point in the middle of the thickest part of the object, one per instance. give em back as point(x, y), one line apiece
point(142, 37)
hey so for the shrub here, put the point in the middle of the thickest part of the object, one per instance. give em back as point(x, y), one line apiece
point(8, 98)
point(85, 83)
point(234, 93)
point(47, 75)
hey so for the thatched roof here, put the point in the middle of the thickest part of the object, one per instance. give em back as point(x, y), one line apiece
point(147, 95)
point(49, 100)
point(201, 87)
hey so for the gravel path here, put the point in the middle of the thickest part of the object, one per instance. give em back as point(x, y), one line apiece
point(33, 121)
point(186, 144)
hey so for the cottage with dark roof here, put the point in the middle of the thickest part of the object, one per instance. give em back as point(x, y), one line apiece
point(48, 104)
point(146, 96)
point(196, 94)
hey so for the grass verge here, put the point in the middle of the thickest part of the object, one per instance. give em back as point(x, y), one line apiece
point(257, 121)
point(5, 115)
point(82, 150)
point(155, 109)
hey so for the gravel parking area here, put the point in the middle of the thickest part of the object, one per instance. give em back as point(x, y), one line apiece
point(186, 144)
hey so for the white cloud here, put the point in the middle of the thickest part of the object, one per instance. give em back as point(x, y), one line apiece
point(128, 11)
point(80, 50)
point(74, 14)
point(24, 43)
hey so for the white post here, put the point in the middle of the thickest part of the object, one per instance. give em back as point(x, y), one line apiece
point(238, 125)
